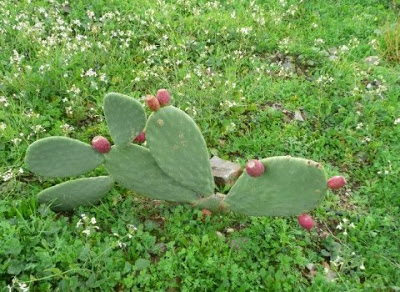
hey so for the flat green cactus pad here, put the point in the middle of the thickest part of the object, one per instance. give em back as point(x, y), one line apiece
point(289, 186)
point(179, 149)
point(134, 168)
point(125, 117)
point(80, 192)
point(61, 157)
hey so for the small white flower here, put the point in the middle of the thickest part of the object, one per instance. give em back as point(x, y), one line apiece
point(4, 101)
point(362, 267)
point(133, 227)
point(3, 126)
point(23, 287)
point(397, 121)
point(345, 220)
point(93, 220)
point(79, 223)
point(83, 216)
point(352, 225)
point(8, 175)
point(345, 232)
point(121, 244)
point(340, 227)
point(86, 231)
point(16, 141)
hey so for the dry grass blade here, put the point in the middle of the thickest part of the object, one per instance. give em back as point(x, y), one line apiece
point(390, 44)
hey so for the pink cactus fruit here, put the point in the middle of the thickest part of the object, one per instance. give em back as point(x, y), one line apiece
point(255, 168)
point(336, 182)
point(152, 103)
point(163, 97)
point(101, 144)
point(306, 221)
point(140, 138)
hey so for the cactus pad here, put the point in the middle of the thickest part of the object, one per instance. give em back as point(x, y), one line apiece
point(61, 157)
point(289, 186)
point(179, 149)
point(125, 117)
point(134, 168)
point(80, 192)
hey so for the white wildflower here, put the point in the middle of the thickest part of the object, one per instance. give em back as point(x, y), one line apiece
point(93, 220)
point(79, 223)
point(86, 231)
point(16, 141)
point(8, 175)
point(121, 244)
point(4, 101)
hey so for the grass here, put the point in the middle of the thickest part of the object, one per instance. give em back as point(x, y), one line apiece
point(241, 69)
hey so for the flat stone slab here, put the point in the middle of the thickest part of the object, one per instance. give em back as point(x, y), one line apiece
point(225, 172)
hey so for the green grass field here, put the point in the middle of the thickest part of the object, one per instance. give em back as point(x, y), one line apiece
point(242, 69)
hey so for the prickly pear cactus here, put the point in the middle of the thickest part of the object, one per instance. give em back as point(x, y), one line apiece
point(173, 165)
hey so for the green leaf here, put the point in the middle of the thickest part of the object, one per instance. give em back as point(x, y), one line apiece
point(142, 264)
point(61, 157)
point(80, 192)
point(125, 117)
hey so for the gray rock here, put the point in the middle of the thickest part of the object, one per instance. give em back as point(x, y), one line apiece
point(224, 172)
point(298, 116)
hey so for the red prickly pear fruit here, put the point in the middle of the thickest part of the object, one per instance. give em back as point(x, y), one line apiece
point(152, 103)
point(140, 138)
point(306, 221)
point(336, 182)
point(254, 168)
point(163, 97)
point(101, 144)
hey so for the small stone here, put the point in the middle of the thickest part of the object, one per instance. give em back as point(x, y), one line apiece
point(298, 116)
point(372, 60)
point(225, 172)
point(310, 267)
